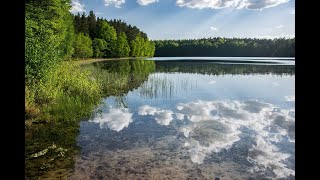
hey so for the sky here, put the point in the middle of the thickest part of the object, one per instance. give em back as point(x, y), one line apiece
point(193, 19)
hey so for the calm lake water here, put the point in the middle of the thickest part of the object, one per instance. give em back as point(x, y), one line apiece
point(189, 119)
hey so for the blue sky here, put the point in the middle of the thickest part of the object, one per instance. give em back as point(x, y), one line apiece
point(190, 19)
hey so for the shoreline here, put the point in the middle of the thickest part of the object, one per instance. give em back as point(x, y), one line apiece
point(91, 60)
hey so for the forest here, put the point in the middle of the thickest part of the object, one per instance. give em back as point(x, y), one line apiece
point(54, 38)
point(100, 38)
point(227, 47)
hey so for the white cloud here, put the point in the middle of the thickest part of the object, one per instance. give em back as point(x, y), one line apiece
point(146, 2)
point(212, 82)
point(213, 28)
point(275, 36)
point(163, 117)
point(116, 3)
point(279, 26)
point(238, 4)
point(290, 98)
point(115, 119)
point(147, 110)
point(293, 11)
point(270, 156)
point(219, 124)
point(77, 7)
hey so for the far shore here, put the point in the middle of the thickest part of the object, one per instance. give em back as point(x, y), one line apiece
point(91, 60)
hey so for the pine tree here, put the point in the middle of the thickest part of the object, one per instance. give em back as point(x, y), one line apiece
point(92, 22)
point(84, 27)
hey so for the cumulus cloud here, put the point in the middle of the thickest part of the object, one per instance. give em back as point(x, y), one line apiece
point(163, 117)
point(238, 4)
point(116, 3)
point(213, 28)
point(147, 110)
point(279, 26)
point(290, 98)
point(266, 154)
point(215, 125)
point(115, 119)
point(146, 2)
point(77, 7)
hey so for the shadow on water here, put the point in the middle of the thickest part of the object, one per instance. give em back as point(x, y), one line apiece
point(209, 68)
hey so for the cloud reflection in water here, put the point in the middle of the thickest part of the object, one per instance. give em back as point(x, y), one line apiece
point(114, 119)
point(216, 125)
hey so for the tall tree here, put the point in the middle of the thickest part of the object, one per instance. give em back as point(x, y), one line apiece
point(107, 33)
point(46, 31)
point(84, 27)
point(77, 23)
point(122, 48)
point(82, 46)
point(92, 22)
point(99, 46)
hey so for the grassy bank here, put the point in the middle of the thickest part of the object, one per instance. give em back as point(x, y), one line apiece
point(66, 95)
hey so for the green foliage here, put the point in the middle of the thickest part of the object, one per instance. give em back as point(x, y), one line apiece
point(67, 92)
point(82, 46)
point(46, 30)
point(122, 47)
point(119, 77)
point(98, 45)
point(67, 48)
point(108, 33)
point(141, 47)
point(245, 47)
point(131, 31)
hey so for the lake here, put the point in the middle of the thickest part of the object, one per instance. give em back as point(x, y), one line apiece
point(192, 118)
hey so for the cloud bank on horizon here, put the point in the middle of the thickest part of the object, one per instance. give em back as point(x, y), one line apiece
point(238, 4)
point(197, 4)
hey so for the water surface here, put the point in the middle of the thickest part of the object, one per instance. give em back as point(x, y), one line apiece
point(193, 120)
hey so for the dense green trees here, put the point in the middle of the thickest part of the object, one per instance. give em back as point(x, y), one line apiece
point(226, 47)
point(120, 38)
point(82, 46)
point(48, 36)
point(52, 35)
point(122, 47)
point(109, 34)
point(141, 47)
point(98, 45)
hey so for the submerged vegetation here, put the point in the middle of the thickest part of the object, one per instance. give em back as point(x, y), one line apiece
point(59, 93)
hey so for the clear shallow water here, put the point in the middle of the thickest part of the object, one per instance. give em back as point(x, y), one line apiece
point(197, 121)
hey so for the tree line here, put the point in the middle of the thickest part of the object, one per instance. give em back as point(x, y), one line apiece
point(98, 37)
point(53, 34)
point(230, 47)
